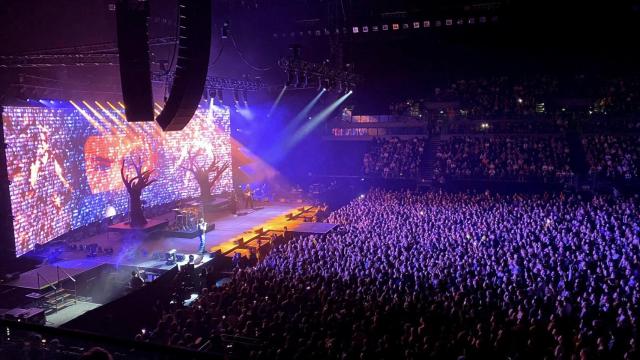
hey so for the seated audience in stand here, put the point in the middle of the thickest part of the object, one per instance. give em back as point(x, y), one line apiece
point(508, 98)
point(508, 157)
point(613, 156)
point(619, 96)
point(551, 125)
point(486, 98)
point(394, 158)
point(438, 275)
point(599, 122)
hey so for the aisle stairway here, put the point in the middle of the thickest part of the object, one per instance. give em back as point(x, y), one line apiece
point(429, 160)
point(58, 299)
point(578, 156)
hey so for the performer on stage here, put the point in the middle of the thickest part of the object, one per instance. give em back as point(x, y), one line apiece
point(248, 197)
point(202, 232)
point(136, 282)
point(234, 203)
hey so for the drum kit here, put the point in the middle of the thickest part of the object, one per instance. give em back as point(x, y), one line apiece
point(186, 218)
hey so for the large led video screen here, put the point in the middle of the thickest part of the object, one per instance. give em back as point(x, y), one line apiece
point(64, 164)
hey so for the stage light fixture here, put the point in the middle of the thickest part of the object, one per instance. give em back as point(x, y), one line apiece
point(416, 25)
point(438, 23)
point(385, 27)
point(355, 30)
point(225, 30)
point(396, 26)
point(245, 95)
point(426, 24)
point(220, 96)
point(290, 78)
point(296, 78)
point(448, 22)
point(327, 84)
point(365, 29)
point(375, 28)
point(236, 97)
point(405, 26)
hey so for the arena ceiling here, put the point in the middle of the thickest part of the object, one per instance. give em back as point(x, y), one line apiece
point(532, 30)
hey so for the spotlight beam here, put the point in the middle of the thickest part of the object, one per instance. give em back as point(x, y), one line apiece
point(111, 116)
point(105, 123)
point(275, 104)
point(304, 113)
point(315, 121)
point(89, 118)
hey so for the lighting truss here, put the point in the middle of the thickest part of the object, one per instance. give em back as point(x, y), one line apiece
point(52, 60)
point(84, 55)
point(328, 76)
point(216, 83)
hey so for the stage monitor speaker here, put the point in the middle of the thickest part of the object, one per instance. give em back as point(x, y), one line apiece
point(192, 65)
point(133, 52)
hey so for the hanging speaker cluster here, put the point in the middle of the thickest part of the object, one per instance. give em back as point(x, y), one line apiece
point(192, 65)
point(133, 51)
point(194, 45)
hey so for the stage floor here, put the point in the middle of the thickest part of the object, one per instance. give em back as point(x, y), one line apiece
point(69, 313)
point(228, 228)
point(131, 251)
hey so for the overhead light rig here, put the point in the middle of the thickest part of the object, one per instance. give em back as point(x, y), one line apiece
point(105, 54)
point(216, 83)
point(392, 25)
point(307, 75)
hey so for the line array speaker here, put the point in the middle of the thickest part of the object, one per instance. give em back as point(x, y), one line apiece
point(192, 65)
point(135, 68)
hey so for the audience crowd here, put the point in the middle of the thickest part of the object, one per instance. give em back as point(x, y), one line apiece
point(23, 345)
point(509, 157)
point(512, 97)
point(615, 157)
point(599, 123)
point(485, 98)
point(553, 125)
point(394, 157)
point(619, 96)
point(445, 276)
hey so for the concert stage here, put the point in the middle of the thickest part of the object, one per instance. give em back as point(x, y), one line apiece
point(98, 278)
point(150, 226)
point(141, 250)
point(47, 275)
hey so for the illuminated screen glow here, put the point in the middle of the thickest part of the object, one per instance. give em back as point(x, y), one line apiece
point(64, 164)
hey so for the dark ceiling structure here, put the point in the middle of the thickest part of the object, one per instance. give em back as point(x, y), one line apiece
point(80, 36)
